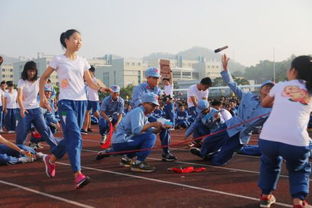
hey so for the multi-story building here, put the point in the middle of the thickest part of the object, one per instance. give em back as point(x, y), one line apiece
point(6, 72)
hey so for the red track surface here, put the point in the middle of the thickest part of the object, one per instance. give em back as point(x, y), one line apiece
point(233, 185)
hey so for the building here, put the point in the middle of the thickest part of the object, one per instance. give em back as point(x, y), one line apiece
point(6, 72)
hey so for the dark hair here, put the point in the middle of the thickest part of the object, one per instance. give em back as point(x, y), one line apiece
point(206, 81)
point(92, 69)
point(9, 83)
point(3, 82)
point(66, 35)
point(30, 65)
point(216, 103)
point(166, 79)
point(303, 66)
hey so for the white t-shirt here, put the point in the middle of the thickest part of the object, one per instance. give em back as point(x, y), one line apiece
point(1, 96)
point(290, 114)
point(92, 94)
point(225, 114)
point(198, 94)
point(11, 99)
point(168, 90)
point(30, 92)
point(70, 76)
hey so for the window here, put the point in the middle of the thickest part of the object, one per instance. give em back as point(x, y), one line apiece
point(3, 70)
point(11, 70)
point(139, 77)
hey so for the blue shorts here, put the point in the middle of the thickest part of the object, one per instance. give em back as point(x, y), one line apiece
point(93, 105)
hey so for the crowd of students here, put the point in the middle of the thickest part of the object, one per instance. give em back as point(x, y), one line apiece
point(35, 112)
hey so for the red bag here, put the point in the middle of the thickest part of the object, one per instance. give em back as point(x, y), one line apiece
point(107, 143)
point(190, 169)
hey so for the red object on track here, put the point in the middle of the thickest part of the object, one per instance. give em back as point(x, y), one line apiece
point(108, 141)
point(189, 169)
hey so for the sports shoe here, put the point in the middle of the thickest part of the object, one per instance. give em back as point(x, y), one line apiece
point(40, 155)
point(125, 161)
point(89, 130)
point(103, 139)
point(81, 180)
point(304, 205)
point(50, 168)
point(101, 154)
point(196, 151)
point(83, 131)
point(142, 167)
point(267, 201)
point(168, 157)
point(26, 159)
point(11, 132)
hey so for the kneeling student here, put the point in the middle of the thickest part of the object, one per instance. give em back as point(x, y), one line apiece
point(136, 134)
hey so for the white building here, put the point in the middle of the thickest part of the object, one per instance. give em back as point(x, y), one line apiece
point(6, 72)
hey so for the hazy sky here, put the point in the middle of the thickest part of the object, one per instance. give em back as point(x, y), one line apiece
point(136, 28)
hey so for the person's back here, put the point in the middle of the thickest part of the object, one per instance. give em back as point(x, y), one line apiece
point(284, 135)
point(290, 114)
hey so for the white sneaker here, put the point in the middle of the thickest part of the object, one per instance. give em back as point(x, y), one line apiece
point(40, 155)
point(26, 159)
point(11, 132)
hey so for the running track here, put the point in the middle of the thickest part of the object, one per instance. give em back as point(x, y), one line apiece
point(233, 185)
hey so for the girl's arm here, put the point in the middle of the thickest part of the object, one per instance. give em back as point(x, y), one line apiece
point(267, 101)
point(94, 85)
point(20, 102)
point(44, 103)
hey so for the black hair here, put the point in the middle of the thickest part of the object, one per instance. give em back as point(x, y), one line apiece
point(9, 83)
point(92, 69)
point(216, 103)
point(3, 82)
point(303, 66)
point(166, 79)
point(66, 35)
point(206, 81)
point(30, 65)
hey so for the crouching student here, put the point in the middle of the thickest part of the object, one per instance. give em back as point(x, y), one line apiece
point(135, 133)
point(182, 118)
point(111, 112)
point(206, 120)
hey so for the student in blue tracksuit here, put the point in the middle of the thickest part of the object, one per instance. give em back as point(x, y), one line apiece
point(207, 120)
point(151, 86)
point(11, 153)
point(71, 70)
point(135, 133)
point(284, 135)
point(49, 115)
point(219, 148)
point(30, 112)
point(111, 111)
point(182, 118)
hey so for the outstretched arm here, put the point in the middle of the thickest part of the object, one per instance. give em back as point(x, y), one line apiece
point(227, 77)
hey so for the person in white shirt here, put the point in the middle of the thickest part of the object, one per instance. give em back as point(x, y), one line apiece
point(2, 91)
point(30, 112)
point(168, 100)
point(93, 104)
point(284, 135)
point(10, 108)
point(197, 92)
point(71, 70)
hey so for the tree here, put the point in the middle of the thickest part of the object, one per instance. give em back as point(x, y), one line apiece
point(126, 92)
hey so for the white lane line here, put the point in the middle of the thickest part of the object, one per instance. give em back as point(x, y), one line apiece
point(176, 184)
point(46, 194)
point(200, 164)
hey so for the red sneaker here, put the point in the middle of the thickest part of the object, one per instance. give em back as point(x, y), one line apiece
point(267, 201)
point(81, 180)
point(304, 205)
point(50, 168)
